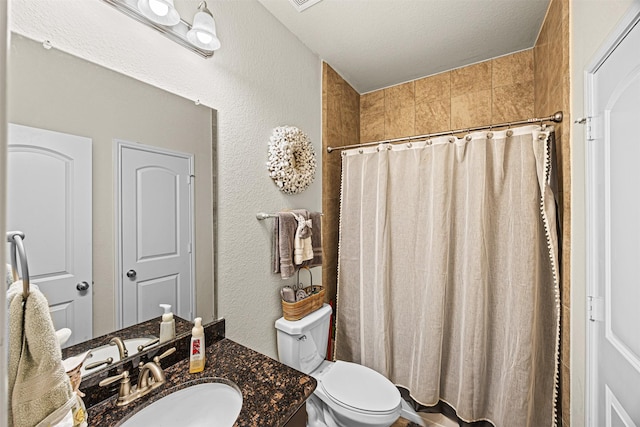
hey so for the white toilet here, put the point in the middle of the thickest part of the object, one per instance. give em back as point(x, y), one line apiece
point(348, 394)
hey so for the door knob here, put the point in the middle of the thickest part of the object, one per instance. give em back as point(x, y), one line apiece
point(131, 274)
point(82, 286)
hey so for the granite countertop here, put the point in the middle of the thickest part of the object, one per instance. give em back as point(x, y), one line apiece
point(272, 392)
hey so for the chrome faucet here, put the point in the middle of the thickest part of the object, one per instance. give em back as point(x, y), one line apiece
point(122, 349)
point(150, 377)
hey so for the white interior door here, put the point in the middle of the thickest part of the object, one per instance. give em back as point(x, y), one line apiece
point(155, 232)
point(614, 237)
point(49, 199)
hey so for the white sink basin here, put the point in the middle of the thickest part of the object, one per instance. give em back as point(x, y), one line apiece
point(211, 402)
point(104, 352)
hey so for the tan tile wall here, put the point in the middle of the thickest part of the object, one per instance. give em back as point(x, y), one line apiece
point(340, 126)
point(493, 91)
point(551, 57)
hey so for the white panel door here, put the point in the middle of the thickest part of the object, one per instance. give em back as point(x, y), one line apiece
point(155, 203)
point(614, 155)
point(49, 199)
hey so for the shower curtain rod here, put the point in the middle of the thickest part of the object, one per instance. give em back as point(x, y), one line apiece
point(556, 118)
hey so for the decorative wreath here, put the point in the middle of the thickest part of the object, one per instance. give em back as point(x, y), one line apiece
point(292, 161)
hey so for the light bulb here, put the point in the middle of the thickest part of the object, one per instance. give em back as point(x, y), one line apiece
point(158, 7)
point(204, 37)
point(159, 11)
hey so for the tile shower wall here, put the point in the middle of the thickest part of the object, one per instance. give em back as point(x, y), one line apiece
point(340, 126)
point(494, 91)
point(551, 58)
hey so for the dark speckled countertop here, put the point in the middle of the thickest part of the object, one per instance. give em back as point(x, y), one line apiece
point(272, 392)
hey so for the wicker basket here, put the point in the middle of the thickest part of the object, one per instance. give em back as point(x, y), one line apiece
point(297, 310)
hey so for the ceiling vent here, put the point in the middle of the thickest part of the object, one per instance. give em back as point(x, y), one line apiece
point(301, 5)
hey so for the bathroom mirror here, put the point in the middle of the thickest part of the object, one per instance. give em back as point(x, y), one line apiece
point(53, 90)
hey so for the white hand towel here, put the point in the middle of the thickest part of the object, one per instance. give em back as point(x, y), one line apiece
point(303, 249)
point(39, 387)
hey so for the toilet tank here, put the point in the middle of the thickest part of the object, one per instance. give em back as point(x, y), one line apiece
point(302, 344)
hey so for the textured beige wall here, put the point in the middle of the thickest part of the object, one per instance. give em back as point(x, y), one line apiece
point(494, 91)
point(76, 97)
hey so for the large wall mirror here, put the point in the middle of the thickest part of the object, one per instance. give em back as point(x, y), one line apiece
point(52, 91)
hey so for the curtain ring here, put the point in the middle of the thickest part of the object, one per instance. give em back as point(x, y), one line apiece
point(543, 125)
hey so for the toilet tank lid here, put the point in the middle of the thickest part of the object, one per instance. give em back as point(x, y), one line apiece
point(296, 327)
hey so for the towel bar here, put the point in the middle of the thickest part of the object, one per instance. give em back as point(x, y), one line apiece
point(17, 249)
point(264, 215)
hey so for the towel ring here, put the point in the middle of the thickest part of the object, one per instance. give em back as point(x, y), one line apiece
point(17, 248)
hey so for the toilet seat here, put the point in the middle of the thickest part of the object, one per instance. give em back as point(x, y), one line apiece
point(360, 389)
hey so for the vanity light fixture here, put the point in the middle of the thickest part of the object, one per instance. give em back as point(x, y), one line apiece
point(162, 16)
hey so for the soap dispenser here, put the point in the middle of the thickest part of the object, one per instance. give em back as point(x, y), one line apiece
point(196, 354)
point(168, 324)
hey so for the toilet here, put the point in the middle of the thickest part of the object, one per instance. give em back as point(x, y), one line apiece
point(348, 394)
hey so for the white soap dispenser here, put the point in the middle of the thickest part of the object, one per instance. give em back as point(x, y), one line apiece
point(168, 324)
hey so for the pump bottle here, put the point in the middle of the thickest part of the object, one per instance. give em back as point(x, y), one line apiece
point(197, 348)
point(168, 324)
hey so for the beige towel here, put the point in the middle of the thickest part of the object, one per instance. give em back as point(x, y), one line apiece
point(39, 387)
point(284, 231)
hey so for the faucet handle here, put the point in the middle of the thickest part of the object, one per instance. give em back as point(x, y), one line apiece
point(125, 394)
point(124, 376)
point(163, 355)
point(107, 361)
point(148, 344)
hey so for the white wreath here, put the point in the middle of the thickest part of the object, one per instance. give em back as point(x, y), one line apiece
point(292, 161)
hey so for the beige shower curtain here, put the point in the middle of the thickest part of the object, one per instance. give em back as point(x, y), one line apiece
point(448, 280)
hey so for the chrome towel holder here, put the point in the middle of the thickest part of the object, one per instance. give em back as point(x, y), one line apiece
point(17, 251)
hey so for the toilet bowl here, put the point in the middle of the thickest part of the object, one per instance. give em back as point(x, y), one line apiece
point(347, 394)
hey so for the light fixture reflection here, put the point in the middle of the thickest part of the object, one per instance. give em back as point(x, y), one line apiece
point(159, 11)
point(203, 32)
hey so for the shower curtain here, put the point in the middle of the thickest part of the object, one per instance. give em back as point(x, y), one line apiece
point(448, 275)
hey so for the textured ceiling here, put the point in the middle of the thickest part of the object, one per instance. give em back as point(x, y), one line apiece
point(379, 43)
